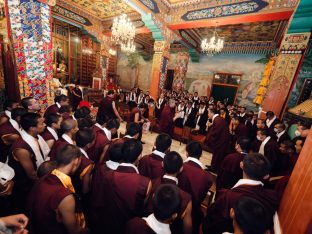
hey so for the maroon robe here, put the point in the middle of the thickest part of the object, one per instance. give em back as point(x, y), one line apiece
point(124, 192)
point(101, 141)
point(195, 181)
point(53, 109)
point(80, 172)
point(106, 111)
point(218, 139)
point(166, 123)
point(57, 146)
point(22, 183)
point(218, 218)
point(75, 99)
point(283, 137)
point(138, 226)
point(151, 166)
point(241, 130)
point(271, 151)
point(230, 171)
point(47, 135)
point(5, 130)
point(177, 225)
point(43, 202)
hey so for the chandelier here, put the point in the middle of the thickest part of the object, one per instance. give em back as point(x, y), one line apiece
point(123, 31)
point(214, 45)
point(128, 48)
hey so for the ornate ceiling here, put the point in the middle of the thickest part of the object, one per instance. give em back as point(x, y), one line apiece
point(103, 9)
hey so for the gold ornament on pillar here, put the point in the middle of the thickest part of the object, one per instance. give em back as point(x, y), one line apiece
point(265, 81)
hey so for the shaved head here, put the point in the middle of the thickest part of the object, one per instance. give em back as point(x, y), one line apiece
point(68, 125)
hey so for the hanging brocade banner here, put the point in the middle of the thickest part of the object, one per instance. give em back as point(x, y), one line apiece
point(30, 28)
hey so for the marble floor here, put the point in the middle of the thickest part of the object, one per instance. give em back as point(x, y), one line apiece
point(149, 139)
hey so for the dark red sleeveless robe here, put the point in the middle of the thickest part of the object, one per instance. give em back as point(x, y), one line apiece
point(43, 202)
point(124, 192)
point(151, 166)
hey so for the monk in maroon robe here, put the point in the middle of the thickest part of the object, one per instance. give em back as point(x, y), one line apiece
point(151, 165)
point(166, 204)
point(69, 127)
point(217, 139)
point(23, 160)
point(230, 171)
point(166, 122)
point(196, 181)
point(52, 204)
point(60, 101)
point(50, 134)
point(9, 132)
point(107, 109)
point(9, 105)
point(103, 138)
point(124, 193)
point(76, 96)
point(172, 166)
point(255, 167)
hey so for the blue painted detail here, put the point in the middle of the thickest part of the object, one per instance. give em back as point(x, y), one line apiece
point(240, 8)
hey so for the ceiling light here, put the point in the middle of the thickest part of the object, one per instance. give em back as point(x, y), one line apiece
point(213, 45)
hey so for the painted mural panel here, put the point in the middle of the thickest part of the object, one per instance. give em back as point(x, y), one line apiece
point(134, 70)
point(199, 76)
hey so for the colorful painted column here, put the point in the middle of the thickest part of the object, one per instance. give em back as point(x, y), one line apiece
point(29, 27)
point(180, 71)
point(285, 71)
point(159, 67)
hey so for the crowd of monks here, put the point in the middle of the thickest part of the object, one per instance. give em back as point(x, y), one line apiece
point(74, 173)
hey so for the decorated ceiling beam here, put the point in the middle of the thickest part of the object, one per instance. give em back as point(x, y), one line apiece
point(91, 24)
point(192, 11)
point(149, 9)
point(285, 15)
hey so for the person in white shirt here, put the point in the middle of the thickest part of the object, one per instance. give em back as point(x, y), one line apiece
point(166, 203)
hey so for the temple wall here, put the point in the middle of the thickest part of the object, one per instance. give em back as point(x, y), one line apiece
point(199, 76)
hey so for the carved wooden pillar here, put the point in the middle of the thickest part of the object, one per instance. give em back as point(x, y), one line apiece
point(295, 211)
point(285, 72)
point(159, 67)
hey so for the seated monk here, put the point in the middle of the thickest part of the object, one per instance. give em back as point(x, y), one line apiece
point(69, 127)
point(26, 155)
point(10, 132)
point(173, 164)
point(166, 205)
point(230, 171)
point(250, 216)
point(151, 165)
point(50, 134)
point(52, 204)
point(103, 138)
point(196, 181)
point(124, 193)
point(9, 105)
point(255, 167)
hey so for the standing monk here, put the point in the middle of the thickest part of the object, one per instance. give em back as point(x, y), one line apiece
point(52, 202)
point(166, 118)
point(107, 109)
point(218, 139)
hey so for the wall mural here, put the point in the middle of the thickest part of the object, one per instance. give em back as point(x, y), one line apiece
point(199, 76)
point(134, 69)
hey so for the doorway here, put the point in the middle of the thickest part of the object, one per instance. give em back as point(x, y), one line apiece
point(169, 80)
